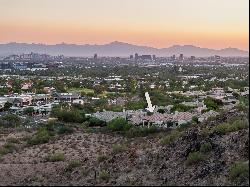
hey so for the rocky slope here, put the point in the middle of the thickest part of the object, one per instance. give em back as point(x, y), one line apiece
point(137, 161)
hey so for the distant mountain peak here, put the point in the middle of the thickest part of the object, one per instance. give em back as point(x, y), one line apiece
point(115, 48)
point(118, 43)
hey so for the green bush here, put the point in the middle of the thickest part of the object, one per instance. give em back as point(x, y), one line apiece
point(104, 175)
point(140, 131)
point(55, 157)
point(206, 147)
point(195, 119)
point(238, 125)
point(118, 124)
point(10, 121)
point(12, 140)
point(40, 137)
point(212, 104)
point(181, 108)
point(194, 158)
point(29, 111)
point(95, 122)
point(65, 130)
point(239, 172)
point(73, 116)
point(7, 148)
point(221, 128)
point(174, 134)
point(59, 128)
point(73, 164)
point(118, 148)
point(3, 151)
point(234, 125)
point(102, 158)
point(205, 132)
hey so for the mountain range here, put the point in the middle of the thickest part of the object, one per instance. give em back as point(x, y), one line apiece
point(115, 49)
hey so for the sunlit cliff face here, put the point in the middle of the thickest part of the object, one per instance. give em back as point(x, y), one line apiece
point(158, 23)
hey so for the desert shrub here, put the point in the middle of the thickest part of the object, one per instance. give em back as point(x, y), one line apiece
point(74, 116)
point(77, 106)
point(235, 125)
point(65, 130)
point(140, 131)
point(212, 104)
point(29, 111)
point(206, 147)
point(104, 175)
point(58, 127)
point(95, 122)
point(205, 132)
point(184, 126)
point(238, 125)
point(85, 125)
point(3, 151)
point(239, 172)
point(10, 121)
point(174, 134)
point(211, 118)
point(55, 157)
point(194, 158)
point(12, 140)
point(40, 137)
point(195, 119)
point(73, 164)
point(221, 128)
point(7, 148)
point(101, 158)
point(118, 148)
point(118, 124)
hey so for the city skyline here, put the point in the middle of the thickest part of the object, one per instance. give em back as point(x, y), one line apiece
point(159, 23)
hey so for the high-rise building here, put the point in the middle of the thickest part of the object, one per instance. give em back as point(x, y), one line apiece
point(136, 56)
point(172, 57)
point(181, 57)
point(146, 57)
point(95, 56)
point(131, 57)
point(217, 58)
point(154, 57)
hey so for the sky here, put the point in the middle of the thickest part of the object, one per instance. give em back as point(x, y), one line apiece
point(158, 23)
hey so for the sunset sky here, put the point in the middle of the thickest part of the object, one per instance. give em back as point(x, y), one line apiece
point(158, 23)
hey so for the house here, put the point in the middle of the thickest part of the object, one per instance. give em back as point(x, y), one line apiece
point(48, 89)
point(26, 85)
point(15, 110)
point(109, 115)
point(180, 118)
point(218, 91)
point(117, 101)
point(162, 120)
point(66, 97)
point(78, 101)
point(3, 100)
point(45, 109)
point(20, 100)
point(41, 97)
point(164, 108)
point(157, 119)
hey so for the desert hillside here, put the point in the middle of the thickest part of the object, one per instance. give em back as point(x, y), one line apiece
point(213, 153)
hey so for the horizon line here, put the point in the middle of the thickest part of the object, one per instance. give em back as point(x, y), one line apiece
point(81, 44)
